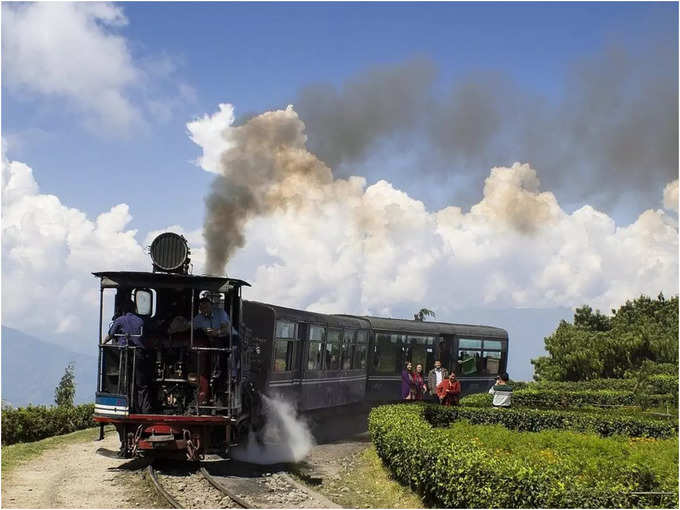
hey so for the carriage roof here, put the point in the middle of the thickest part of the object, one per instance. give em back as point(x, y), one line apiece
point(386, 324)
point(116, 279)
point(434, 328)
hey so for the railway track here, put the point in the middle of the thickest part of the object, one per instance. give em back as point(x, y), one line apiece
point(239, 485)
point(162, 492)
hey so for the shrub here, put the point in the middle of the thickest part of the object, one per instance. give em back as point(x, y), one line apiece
point(658, 384)
point(489, 466)
point(556, 399)
point(532, 420)
point(663, 383)
point(32, 423)
point(593, 384)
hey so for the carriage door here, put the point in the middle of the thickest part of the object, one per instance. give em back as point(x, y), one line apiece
point(445, 352)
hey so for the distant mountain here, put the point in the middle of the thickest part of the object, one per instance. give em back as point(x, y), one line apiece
point(32, 368)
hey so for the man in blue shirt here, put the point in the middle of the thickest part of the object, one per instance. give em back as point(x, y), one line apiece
point(213, 320)
point(127, 331)
point(214, 323)
point(127, 328)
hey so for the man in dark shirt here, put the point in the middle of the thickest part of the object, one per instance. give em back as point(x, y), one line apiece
point(127, 331)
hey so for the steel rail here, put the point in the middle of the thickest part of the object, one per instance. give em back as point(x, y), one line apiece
point(220, 487)
point(159, 488)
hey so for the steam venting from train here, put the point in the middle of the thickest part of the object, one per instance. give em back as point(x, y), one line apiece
point(287, 438)
point(265, 166)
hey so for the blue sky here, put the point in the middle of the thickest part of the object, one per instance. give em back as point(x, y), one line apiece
point(425, 96)
point(256, 56)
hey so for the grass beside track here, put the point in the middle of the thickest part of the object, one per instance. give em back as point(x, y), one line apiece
point(16, 454)
point(367, 483)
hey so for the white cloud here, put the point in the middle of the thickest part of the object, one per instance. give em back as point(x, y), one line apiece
point(346, 247)
point(341, 246)
point(670, 196)
point(325, 261)
point(75, 52)
point(49, 251)
point(70, 50)
point(208, 132)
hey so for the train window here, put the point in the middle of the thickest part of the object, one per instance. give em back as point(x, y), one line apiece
point(388, 353)
point(469, 361)
point(360, 350)
point(348, 340)
point(496, 345)
point(469, 343)
point(359, 358)
point(416, 350)
point(492, 362)
point(315, 349)
point(285, 329)
point(316, 333)
point(333, 349)
point(284, 355)
point(143, 301)
point(285, 346)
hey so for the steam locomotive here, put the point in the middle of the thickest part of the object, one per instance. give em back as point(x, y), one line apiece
point(205, 389)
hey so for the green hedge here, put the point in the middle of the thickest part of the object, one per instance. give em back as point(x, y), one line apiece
point(32, 423)
point(593, 384)
point(488, 466)
point(556, 399)
point(534, 420)
point(661, 383)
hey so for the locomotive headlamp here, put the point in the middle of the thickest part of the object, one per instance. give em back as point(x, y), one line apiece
point(170, 252)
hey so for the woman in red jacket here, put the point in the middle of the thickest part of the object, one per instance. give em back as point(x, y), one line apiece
point(448, 391)
point(419, 381)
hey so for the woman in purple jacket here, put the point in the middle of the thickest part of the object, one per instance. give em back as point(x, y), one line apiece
point(407, 383)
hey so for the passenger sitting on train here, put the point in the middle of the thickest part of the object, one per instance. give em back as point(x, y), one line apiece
point(127, 330)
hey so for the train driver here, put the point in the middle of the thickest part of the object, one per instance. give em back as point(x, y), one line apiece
point(214, 321)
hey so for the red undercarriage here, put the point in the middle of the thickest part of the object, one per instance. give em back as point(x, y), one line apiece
point(168, 433)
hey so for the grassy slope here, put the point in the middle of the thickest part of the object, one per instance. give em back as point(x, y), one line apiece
point(17, 454)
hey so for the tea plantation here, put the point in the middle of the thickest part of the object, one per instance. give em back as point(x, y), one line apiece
point(476, 456)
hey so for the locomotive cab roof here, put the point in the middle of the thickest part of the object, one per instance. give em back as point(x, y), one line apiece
point(116, 279)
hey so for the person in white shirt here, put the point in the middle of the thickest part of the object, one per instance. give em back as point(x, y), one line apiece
point(434, 378)
point(501, 391)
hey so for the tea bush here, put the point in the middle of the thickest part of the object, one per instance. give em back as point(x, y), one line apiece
point(533, 420)
point(489, 466)
point(660, 384)
point(32, 423)
point(556, 399)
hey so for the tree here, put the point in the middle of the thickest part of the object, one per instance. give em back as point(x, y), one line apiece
point(424, 312)
point(65, 391)
point(585, 318)
point(598, 346)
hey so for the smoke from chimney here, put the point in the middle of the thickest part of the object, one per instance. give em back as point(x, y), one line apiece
point(265, 165)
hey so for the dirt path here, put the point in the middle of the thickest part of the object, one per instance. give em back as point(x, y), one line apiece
point(75, 476)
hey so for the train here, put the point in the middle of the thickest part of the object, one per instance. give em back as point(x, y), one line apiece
point(205, 391)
